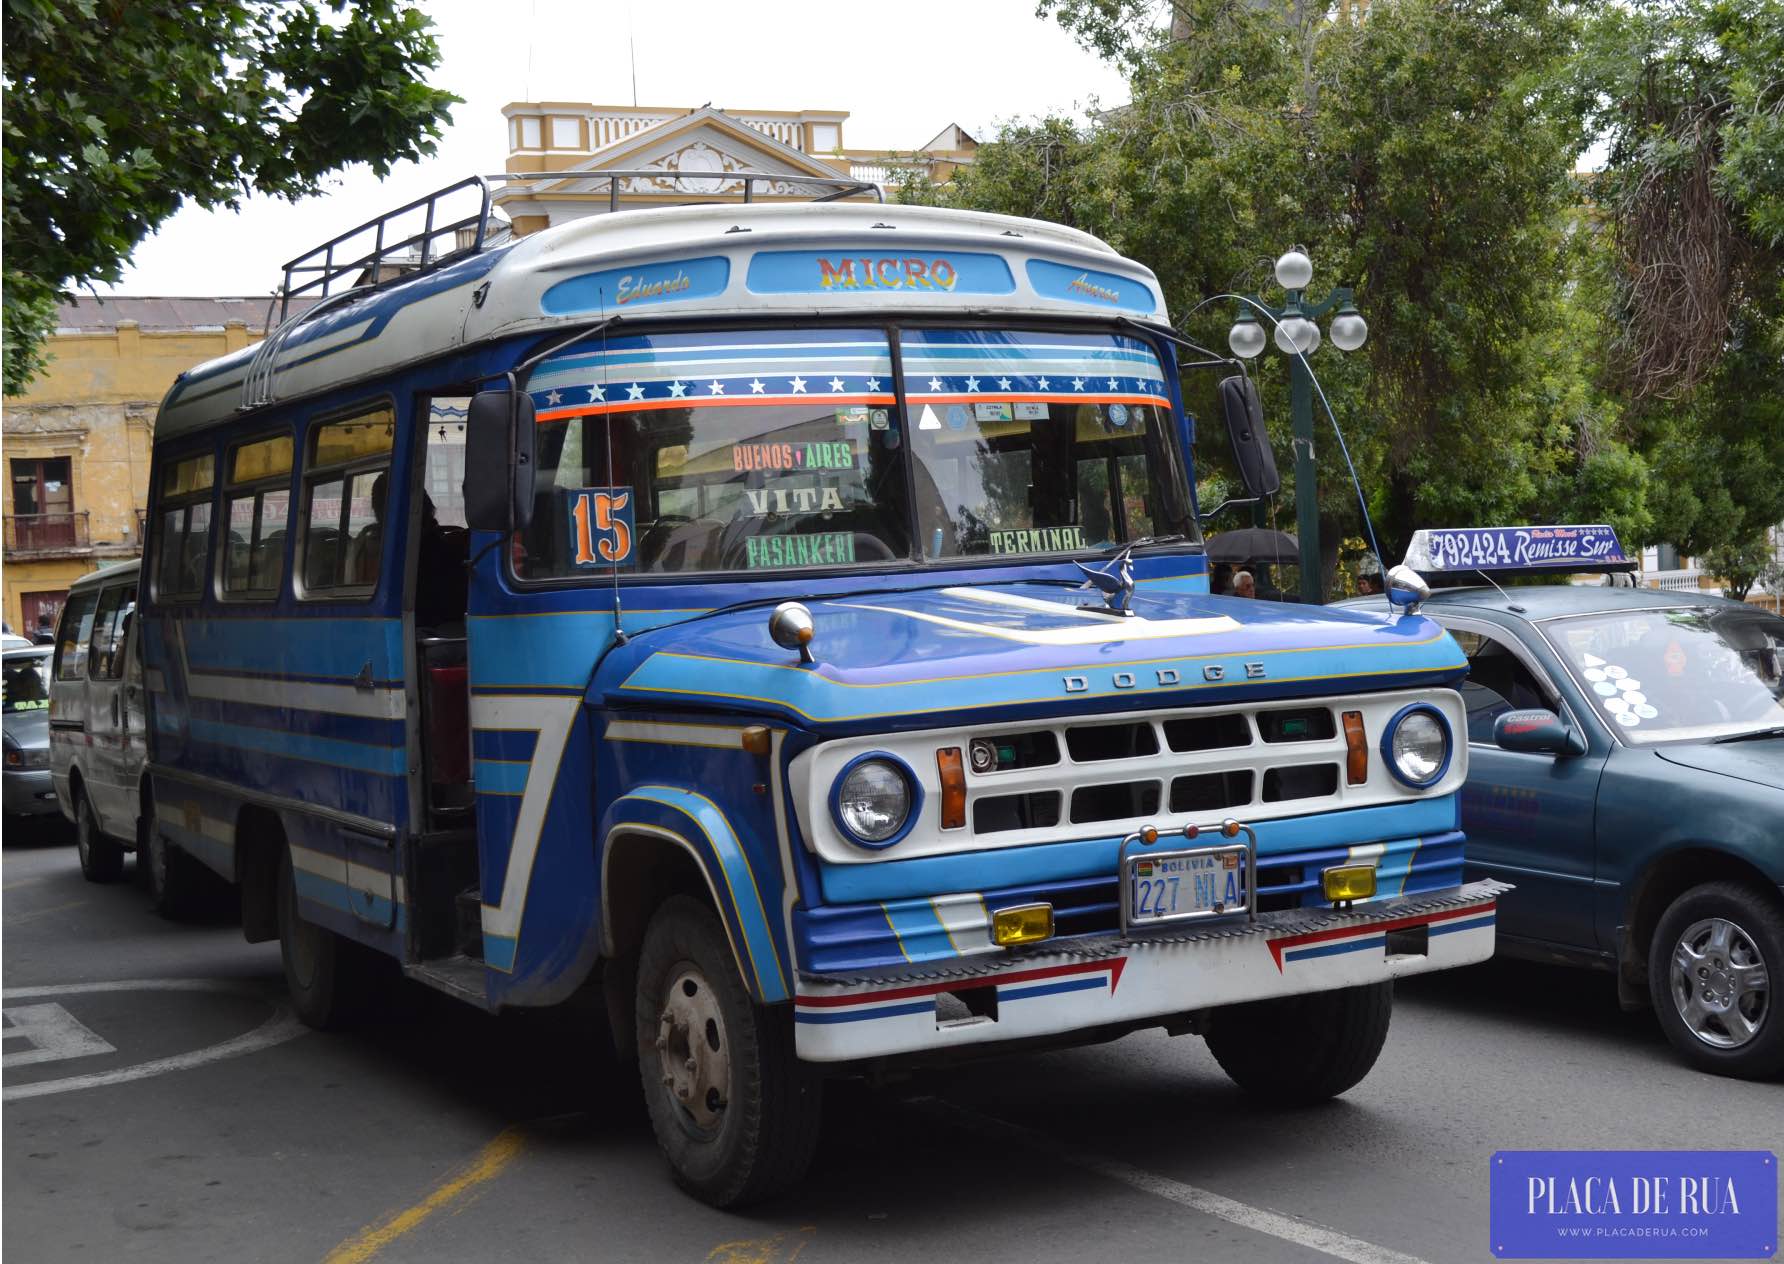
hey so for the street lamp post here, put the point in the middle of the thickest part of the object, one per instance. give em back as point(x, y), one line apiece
point(1297, 332)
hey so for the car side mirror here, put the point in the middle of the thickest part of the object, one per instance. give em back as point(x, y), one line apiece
point(1251, 442)
point(498, 487)
point(1537, 732)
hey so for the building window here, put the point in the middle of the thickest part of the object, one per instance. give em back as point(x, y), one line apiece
point(566, 133)
point(43, 503)
point(530, 134)
point(825, 138)
point(259, 512)
point(185, 528)
point(345, 483)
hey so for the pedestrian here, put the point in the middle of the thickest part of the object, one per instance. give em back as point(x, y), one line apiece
point(1244, 585)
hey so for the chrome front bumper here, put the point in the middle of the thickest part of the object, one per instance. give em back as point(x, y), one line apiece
point(1096, 981)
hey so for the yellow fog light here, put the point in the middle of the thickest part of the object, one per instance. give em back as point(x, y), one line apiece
point(1345, 883)
point(1024, 924)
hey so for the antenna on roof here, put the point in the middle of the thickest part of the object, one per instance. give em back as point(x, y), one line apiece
point(632, 44)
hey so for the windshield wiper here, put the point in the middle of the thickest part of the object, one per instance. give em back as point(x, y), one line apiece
point(1143, 542)
point(1777, 730)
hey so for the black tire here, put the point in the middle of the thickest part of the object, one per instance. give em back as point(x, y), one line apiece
point(329, 977)
point(760, 1129)
point(102, 857)
point(177, 884)
point(1757, 922)
point(1299, 1050)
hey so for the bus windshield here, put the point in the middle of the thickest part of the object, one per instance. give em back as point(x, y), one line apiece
point(778, 449)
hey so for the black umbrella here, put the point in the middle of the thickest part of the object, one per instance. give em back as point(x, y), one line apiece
point(1254, 545)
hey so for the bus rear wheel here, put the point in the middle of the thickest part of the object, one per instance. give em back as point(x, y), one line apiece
point(175, 881)
point(735, 1112)
point(327, 975)
point(1298, 1050)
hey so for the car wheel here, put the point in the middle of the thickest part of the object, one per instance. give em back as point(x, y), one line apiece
point(1710, 970)
point(329, 977)
point(1298, 1050)
point(176, 882)
point(102, 858)
point(734, 1110)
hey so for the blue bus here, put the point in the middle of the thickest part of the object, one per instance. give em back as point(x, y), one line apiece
point(786, 626)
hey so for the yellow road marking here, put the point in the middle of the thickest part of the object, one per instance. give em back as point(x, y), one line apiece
point(782, 1248)
point(489, 1162)
point(20, 882)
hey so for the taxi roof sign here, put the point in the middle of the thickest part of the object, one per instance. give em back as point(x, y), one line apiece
point(1518, 550)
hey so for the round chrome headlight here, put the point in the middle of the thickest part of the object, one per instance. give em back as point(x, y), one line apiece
point(1418, 746)
point(873, 801)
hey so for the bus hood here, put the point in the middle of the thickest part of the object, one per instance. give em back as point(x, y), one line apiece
point(900, 659)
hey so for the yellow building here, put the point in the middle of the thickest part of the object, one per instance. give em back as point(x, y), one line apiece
point(76, 443)
point(672, 156)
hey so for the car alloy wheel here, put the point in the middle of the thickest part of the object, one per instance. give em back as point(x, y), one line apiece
point(1719, 983)
point(695, 1050)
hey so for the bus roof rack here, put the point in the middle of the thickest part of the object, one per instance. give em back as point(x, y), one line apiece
point(836, 187)
point(317, 271)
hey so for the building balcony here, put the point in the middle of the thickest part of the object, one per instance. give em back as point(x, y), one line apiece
point(47, 534)
point(1688, 580)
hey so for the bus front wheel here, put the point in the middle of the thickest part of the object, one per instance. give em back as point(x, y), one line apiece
point(1298, 1050)
point(734, 1111)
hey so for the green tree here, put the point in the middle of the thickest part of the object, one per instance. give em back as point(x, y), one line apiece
point(115, 113)
point(1423, 155)
point(1742, 565)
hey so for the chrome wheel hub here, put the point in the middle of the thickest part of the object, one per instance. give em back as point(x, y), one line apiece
point(1719, 983)
point(694, 1048)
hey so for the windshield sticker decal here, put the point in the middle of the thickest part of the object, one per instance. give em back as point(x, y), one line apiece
point(993, 412)
point(1616, 706)
point(1614, 672)
point(1038, 540)
point(1595, 674)
point(824, 548)
point(1646, 711)
point(1634, 697)
point(839, 455)
point(1604, 688)
point(1628, 684)
point(602, 526)
point(817, 498)
point(1031, 412)
point(1627, 720)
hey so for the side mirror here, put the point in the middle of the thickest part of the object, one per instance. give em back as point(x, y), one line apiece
point(1536, 732)
point(1251, 443)
point(499, 461)
point(1407, 588)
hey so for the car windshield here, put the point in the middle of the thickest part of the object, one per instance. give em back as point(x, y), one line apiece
point(776, 449)
point(27, 682)
point(1678, 675)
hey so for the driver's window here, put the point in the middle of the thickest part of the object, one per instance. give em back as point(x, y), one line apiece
point(1497, 682)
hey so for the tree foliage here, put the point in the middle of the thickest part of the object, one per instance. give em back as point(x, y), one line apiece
point(1427, 155)
point(118, 111)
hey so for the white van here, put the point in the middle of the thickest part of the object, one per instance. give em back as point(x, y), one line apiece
point(98, 740)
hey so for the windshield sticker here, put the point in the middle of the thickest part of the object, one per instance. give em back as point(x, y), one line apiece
point(818, 498)
point(1634, 697)
point(1614, 672)
point(1646, 710)
point(853, 415)
point(1592, 660)
point(838, 455)
point(957, 417)
point(928, 420)
point(1038, 540)
point(1604, 688)
point(991, 412)
point(825, 548)
point(1028, 411)
point(1628, 684)
point(1594, 674)
point(1615, 705)
point(1627, 720)
point(602, 526)
point(1118, 414)
point(879, 419)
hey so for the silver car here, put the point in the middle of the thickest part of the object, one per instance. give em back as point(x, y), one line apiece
point(25, 734)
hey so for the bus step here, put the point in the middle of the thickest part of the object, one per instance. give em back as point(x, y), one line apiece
point(460, 977)
point(469, 938)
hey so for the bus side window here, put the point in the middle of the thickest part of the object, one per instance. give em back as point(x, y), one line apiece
point(259, 505)
point(346, 483)
point(186, 490)
point(71, 641)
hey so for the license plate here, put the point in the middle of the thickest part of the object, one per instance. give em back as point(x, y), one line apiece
point(1178, 885)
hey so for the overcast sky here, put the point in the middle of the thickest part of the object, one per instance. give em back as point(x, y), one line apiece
point(903, 72)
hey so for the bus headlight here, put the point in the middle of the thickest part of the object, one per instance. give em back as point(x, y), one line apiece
point(1416, 745)
point(874, 800)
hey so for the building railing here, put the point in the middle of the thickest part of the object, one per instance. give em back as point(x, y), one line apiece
point(1689, 580)
point(46, 533)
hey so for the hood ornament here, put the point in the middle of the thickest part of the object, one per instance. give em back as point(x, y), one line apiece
point(1114, 581)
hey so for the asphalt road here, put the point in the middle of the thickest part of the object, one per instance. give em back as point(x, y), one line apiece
point(438, 1133)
